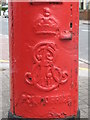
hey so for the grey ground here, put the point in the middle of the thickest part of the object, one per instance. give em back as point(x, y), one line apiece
point(4, 69)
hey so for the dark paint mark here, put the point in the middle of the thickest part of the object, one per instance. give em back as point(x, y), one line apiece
point(71, 25)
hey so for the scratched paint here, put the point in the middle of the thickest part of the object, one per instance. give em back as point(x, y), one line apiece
point(43, 59)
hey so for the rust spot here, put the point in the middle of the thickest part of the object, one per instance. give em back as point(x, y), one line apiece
point(28, 76)
point(30, 79)
point(42, 100)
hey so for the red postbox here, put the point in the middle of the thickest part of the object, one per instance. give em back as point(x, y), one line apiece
point(44, 59)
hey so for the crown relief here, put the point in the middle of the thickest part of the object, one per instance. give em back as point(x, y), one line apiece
point(46, 23)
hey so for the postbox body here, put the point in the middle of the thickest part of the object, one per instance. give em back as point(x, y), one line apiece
point(44, 59)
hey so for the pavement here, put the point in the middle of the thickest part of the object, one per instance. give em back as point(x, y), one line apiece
point(4, 81)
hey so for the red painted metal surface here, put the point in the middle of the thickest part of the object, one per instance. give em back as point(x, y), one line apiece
point(44, 59)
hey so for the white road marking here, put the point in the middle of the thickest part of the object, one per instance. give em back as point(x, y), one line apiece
point(1, 35)
point(84, 61)
point(86, 30)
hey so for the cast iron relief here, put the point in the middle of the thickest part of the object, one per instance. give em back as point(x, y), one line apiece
point(37, 100)
point(33, 101)
point(46, 23)
point(45, 75)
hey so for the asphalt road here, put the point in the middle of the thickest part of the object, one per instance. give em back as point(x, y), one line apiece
point(83, 37)
point(83, 41)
